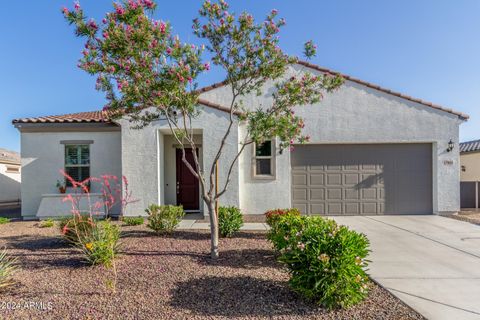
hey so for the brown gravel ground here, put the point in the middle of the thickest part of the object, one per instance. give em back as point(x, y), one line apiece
point(168, 277)
point(472, 216)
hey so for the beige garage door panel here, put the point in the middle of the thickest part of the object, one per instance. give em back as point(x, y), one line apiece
point(362, 179)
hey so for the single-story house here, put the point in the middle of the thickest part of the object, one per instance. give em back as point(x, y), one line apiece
point(470, 174)
point(372, 151)
point(10, 177)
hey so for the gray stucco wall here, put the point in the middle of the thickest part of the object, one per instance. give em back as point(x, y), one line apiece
point(43, 156)
point(9, 183)
point(357, 114)
point(259, 195)
point(143, 158)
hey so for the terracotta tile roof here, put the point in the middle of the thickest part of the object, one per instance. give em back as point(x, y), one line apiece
point(365, 83)
point(470, 146)
point(212, 86)
point(9, 156)
point(216, 106)
point(97, 116)
point(80, 117)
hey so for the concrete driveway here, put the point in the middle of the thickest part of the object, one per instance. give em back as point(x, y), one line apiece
point(432, 263)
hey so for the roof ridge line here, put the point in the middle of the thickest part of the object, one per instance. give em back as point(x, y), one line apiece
point(470, 141)
point(461, 115)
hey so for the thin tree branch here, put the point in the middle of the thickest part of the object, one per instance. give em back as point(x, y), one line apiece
point(230, 170)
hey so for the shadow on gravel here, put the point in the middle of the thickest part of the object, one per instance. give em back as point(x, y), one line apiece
point(160, 253)
point(63, 260)
point(188, 234)
point(177, 234)
point(34, 243)
point(135, 234)
point(38, 252)
point(239, 297)
point(243, 259)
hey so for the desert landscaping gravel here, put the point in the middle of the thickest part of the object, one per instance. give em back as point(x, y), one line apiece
point(168, 277)
point(472, 216)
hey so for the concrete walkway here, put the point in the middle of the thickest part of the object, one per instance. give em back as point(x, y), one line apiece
point(200, 225)
point(432, 263)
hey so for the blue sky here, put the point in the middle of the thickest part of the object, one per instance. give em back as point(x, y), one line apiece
point(428, 49)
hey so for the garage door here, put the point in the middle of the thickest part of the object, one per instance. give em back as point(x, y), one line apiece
point(363, 179)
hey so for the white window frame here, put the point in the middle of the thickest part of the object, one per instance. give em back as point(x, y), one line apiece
point(272, 158)
point(79, 159)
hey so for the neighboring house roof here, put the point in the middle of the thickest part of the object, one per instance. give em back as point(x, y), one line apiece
point(95, 116)
point(104, 116)
point(9, 156)
point(470, 146)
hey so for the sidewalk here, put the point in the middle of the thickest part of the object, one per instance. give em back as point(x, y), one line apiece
point(201, 225)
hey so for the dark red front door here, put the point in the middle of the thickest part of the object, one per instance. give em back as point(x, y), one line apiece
point(187, 184)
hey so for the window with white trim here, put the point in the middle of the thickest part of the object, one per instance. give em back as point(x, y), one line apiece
point(264, 159)
point(77, 162)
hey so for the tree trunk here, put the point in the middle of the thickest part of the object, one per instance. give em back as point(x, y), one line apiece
point(213, 229)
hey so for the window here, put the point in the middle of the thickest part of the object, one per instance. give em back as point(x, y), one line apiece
point(77, 162)
point(264, 160)
point(13, 169)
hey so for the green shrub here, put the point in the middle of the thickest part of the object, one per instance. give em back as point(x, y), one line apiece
point(326, 261)
point(7, 269)
point(75, 229)
point(47, 223)
point(164, 219)
point(4, 220)
point(272, 216)
point(133, 221)
point(230, 220)
point(101, 245)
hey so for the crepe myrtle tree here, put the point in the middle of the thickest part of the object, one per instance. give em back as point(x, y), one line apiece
point(148, 74)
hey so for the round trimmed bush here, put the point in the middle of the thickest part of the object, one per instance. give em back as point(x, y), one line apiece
point(326, 261)
point(230, 220)
point(164, 219)
point(133, 221)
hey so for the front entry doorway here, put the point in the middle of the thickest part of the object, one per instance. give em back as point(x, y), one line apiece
point(188, 189)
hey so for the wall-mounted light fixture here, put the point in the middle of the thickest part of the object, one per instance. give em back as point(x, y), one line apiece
point(451, 145)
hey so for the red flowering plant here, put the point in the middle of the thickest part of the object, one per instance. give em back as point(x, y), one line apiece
point(148, 74)
point(97, 240)
point(273, 216)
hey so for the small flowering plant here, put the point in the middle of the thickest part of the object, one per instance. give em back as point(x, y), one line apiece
point(327, 262)
point(97, 240)
point(61, 186)
point(100, 247)
point(272, 216)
